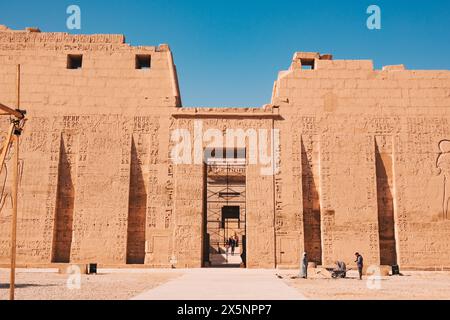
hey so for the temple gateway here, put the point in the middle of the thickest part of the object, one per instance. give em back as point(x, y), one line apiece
point(113, 171)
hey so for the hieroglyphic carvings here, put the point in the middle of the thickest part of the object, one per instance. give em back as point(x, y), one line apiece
point(169, 181)
point(278, 205)
point(382, 125)
point(370, 177)
point(308, 125)
point(108, 129)
point(297, 174)
point(52, 185)
point(310, 156)
point(60, 41)
point(65, 198)
point(373, 241)
point(328, 225)
point(422, 132)
point(443, 164)
point(385, 199)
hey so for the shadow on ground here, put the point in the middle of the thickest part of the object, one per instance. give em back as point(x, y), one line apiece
point(25, 285)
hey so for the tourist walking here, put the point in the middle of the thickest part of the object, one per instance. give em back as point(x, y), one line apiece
point(233, 245)
point(227, 245)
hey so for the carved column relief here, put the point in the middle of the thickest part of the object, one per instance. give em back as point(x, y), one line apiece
point(311, 197)
point(385, 199)
point(65, 199)
point(139, 180)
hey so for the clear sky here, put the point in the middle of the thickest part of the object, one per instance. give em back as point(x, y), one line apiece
point(229, 52)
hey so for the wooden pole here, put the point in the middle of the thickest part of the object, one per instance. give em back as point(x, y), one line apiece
point(7, 111)
point(14, 217)
point(14, 198)
point(18, 87)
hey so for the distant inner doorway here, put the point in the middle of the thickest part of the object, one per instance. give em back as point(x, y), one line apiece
point(225, 210)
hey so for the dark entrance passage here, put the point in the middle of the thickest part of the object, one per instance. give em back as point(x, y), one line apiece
point(225, 212)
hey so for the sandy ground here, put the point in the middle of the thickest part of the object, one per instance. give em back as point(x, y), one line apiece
point(127, 284)
point(412, 285)
point(103, 286)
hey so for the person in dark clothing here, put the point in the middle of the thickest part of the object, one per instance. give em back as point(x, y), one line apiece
point(304, 266)
point(230, 244)
point(360, 264)
point(227, 245)
point(233, 245)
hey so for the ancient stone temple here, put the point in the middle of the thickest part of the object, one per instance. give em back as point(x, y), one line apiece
point(115, 171)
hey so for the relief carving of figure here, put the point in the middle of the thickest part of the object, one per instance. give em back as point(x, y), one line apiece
point(443, 165)
point(5, 191)
point(6, 201)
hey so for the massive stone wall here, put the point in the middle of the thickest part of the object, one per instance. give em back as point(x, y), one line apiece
point(377, 139)
point(363, 160)
point(96, 184)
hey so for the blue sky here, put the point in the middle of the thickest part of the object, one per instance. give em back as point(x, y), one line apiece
point(229, 52)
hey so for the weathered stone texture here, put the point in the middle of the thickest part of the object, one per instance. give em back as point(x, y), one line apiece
point(381, 189)
point(364, 160)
